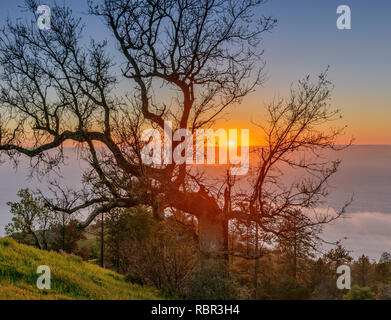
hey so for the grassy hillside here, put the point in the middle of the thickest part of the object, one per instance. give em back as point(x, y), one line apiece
point(71, 278)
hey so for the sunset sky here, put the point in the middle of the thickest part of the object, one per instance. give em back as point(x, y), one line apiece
point(306, 41)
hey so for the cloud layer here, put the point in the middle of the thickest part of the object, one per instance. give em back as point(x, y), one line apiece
point(367, 233)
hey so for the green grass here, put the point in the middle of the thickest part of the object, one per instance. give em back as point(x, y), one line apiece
point(71, 278)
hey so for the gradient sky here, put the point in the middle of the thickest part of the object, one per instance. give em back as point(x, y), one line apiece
point(306, 41)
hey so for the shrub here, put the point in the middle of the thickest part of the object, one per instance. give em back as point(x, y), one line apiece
point(211, 284)
point(360, 293)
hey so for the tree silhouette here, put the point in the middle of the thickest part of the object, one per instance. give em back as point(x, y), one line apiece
point(207, 55)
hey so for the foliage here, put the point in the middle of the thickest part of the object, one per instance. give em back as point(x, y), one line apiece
point(148, 251)
point(299, 242)
point(360, 293)
point(383, 270)
point(30, 216)
point(337, 256)
point(316, 277)
point(33, 223)
point(211, 284)
point(66, 237)
point(362, 269)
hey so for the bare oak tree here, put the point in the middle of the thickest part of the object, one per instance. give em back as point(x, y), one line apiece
point(56, 89)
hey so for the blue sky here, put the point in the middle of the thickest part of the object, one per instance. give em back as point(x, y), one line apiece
point(306, 41)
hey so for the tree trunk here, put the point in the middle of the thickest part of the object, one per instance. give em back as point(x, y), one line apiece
point(295, 255)
point(213, 248)
point(295, 262)
point(63, 232)
point(102, 235)
point(37, 244)
point(45, 243)
point(256, 262)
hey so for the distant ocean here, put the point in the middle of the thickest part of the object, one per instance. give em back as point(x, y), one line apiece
point(365, 172)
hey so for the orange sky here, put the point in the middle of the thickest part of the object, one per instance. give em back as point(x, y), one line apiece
point(368, 117)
